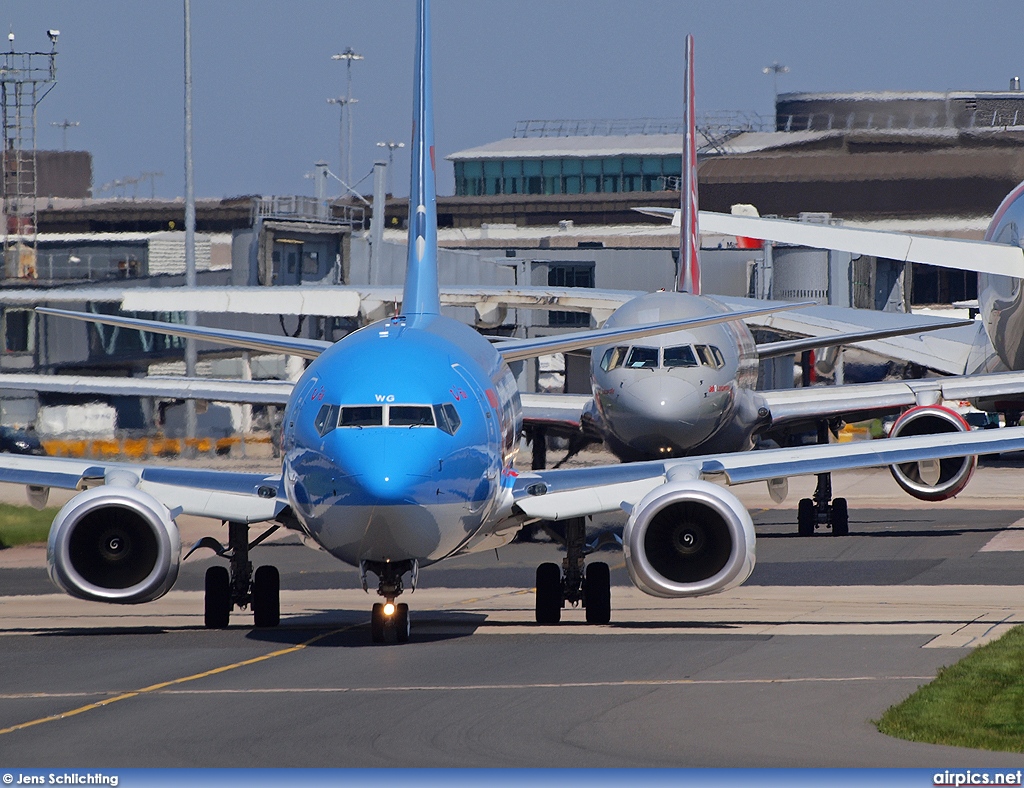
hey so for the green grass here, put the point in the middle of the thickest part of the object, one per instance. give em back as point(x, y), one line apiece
point(978, 702)
point(24, 525)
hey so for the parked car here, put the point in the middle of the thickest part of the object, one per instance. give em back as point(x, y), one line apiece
point(15, 441)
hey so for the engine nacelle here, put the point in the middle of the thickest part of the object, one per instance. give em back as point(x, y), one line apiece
point(954, 472)
point(114, 544)
point(688, 539)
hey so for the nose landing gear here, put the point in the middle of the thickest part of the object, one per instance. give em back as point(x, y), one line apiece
point(389, 620)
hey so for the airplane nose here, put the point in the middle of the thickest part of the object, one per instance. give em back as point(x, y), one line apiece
point(664, 398)
point(388, 474)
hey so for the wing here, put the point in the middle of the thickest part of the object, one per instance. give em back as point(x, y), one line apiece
point(791, 346)
point(560, 494)
point(222, 495)
point(980, 256)
point(518, 349)
point(558, 411)
point(268, 392)
point(862, 400)
point(945, 350)
point(306, 348)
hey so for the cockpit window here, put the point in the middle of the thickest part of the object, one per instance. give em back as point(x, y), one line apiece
point(613, 357)
point(447, 418)
point(710, 356)
point(361, 416)
point(410, 416)
point(642, 358)
point(681, 356)
point(327, 419)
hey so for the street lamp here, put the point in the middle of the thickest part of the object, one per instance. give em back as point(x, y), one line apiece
point(775, 69)
point(391, 158)
point(348, 56)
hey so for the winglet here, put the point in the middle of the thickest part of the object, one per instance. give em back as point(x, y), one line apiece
point(689, 239)
point(421, 295)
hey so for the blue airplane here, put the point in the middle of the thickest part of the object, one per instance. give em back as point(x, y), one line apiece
point(398, 449)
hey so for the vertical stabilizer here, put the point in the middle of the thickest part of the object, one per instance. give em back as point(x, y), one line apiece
point(689, 238)
point(421, 291)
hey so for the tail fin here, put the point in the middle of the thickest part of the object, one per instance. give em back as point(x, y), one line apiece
point(689, 238)
point(421, 295)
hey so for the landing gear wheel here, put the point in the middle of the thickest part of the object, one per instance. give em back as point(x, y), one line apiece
point(266, 597)
point(597, 593)
point(377, 622)
point(401, 623)
point(840, 517)
point(806, 517)
point(217, 598)
point(549, 594)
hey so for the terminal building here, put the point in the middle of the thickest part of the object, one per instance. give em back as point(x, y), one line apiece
point(554, 205)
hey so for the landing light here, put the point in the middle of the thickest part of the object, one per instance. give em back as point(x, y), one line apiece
point(389, 609)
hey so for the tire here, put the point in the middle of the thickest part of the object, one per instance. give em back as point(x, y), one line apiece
point(549, 594)
point(217, 598)
point(597, 593)
point(401, 623)
point(805, 517)
point(377, 622)
point(840, 517)
point(266, 597)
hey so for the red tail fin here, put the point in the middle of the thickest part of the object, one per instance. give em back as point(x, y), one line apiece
point(689, 242)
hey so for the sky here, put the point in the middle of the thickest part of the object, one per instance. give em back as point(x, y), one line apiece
point(262, 72)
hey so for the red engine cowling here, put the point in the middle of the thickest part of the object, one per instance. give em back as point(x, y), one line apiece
point(688, 539)
point(114, 544)
point(954, 472)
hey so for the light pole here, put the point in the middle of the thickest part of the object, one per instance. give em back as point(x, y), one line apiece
point(64, 125)
point(390, 145)
point(343, 102)
point(348, 56)
point(775, 69)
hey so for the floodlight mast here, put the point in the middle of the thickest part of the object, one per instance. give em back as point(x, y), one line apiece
point(348, 56)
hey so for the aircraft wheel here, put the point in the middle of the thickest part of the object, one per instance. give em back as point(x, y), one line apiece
point(266, 597)
point(217, 598)
point(597, 593)
point(401, 623)
point(377, 622)
point(549, 594)
point(840, 518)
point(805, 517)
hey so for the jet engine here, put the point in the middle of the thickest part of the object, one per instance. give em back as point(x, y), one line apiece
point(688, 538)
point(935, 480)
point(114, 544)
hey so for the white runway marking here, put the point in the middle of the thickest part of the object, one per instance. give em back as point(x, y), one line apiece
point(1010, 540)
point(481, 687)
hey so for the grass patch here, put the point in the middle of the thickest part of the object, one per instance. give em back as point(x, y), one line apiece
point(978, 702)
point(24, 525)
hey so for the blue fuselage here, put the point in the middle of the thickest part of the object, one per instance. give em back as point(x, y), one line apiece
point(399, 440)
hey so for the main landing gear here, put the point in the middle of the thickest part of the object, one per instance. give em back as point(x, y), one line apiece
point(589, 586)
point(823, 509)
point(236, 585)
point(389, 621)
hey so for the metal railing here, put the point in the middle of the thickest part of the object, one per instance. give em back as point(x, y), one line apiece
point(720, 121)
point(875, 121)
point(307, 209)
